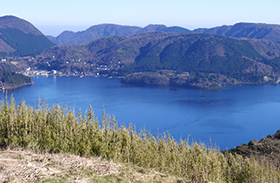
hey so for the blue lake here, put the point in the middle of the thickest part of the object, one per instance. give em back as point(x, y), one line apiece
point(229, 116)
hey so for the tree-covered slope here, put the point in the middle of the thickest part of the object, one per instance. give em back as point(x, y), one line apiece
point(104, 30)
point(19, 37)
point(94, 32)
point(244, 60)
point(197, 52)
point(10, 79)
point(246, 30)
point(240, 30)
point(186, 52)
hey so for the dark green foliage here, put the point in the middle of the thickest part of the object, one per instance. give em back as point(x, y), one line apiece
point(150, 52)
point(246, 30)
point(275, 63)
point(234, 60)
point(25, 44)
point(199, 55)
point(147, 60)
point(250, 143)
point(277, 134)
point(175, 29)
point(8, 77)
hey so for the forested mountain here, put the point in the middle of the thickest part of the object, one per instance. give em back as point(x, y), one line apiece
point(246, 30)
point(170, 51)
point(94, 32)
point(242, 59)
point(103, 30)
point(240, 30)
point(19, 37)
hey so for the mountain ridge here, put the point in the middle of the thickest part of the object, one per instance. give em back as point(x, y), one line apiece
point(246, 30)
point(239, 30)
point(13, 22)
point(232, 60)
point(19, 37)
point(103, 30)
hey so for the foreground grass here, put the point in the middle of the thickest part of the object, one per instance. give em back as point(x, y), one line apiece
point(57, 130)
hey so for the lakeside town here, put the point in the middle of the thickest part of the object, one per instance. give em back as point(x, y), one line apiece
point(34, 72)
point(27, 67)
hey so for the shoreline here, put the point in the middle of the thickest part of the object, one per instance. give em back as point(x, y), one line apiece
point(15, 87)
point(170, 86)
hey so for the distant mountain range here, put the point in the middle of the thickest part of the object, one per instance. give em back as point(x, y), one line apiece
point(103, 30)
point(246, 30)
point(239, 30)
point(19, 37)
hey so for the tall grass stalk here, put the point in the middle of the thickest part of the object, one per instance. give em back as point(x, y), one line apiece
point(58, 129)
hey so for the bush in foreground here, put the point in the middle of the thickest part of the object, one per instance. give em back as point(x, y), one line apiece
point(58, 130)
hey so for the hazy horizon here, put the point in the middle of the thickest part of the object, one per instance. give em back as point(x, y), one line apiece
point(53, 17)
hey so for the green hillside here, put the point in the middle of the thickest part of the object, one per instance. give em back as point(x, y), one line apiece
point(231, 60)
point(10, 79)
point(199, 53)
point(261, 31)
point(24, 44)
point(20, 38)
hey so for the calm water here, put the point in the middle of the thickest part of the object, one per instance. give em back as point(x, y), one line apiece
point(229, 116)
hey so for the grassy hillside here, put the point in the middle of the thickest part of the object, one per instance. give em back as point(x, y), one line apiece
point(58, 130)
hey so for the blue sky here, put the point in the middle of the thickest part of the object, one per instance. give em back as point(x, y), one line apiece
point(54, 16)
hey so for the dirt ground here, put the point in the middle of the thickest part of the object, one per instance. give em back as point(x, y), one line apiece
point(27, 166)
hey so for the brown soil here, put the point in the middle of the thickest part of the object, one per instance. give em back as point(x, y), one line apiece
point(27, 166)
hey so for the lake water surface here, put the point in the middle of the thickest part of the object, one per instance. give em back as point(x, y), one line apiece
point(229, 116)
